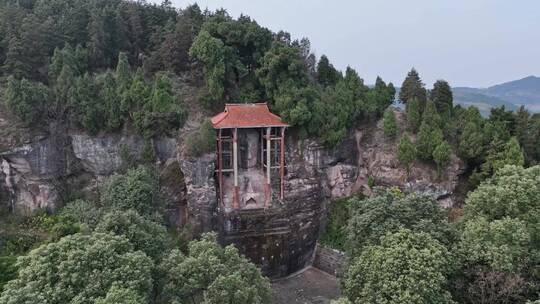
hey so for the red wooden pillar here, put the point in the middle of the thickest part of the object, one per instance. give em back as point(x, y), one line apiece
point(282, 163)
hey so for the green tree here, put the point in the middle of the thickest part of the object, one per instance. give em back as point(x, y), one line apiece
point(406, 267)
point(202, 141)
point(79, 268)
point(430, 115)
point(81, 211)
point(471, 142)
point(26, 99)
point(87, 103)
point(15, 63)
point(117, 295)
point(390, 126)
point(414, 117)
point(442, 96)
point(499, 243)
point(429, 137)
point(212, 53)
point(406, 153)
point(413, 87)
point(441, 156)
point(137, 190)
point(145, 235)
point(512, 192)
point(212, 274)
point(498, 156)
point(327, 75)
point(283, 75)
point(123, 74)
point(388, 212)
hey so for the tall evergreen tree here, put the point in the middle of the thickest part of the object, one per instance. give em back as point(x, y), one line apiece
point(15, 63)
point(390, 126)
point(442, 96)
point(406, 153)
point(441, 156)
point(413, 87)
point(429, 137)
point(414, 118)
point(327, 75)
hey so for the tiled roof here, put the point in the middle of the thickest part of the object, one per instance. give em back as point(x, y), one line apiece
point(249, 115)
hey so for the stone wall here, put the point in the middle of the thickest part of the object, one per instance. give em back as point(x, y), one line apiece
point(329, 260)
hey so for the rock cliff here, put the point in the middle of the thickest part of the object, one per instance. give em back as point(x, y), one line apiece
point(42, 170)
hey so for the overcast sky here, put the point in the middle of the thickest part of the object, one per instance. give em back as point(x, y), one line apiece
point(466, 42)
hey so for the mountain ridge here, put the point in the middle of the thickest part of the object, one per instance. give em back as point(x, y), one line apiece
point(512, 94)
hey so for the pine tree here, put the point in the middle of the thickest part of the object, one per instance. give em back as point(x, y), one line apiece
point(413, 87)
point(123, 74)
point(511, 155)
point(442, 97)
point(16, 63)
point(429, 137)
point(390, 126)
point(441, 156)
point(430, 115)
point(26, 99)
point(406, 153)
point(327, 75)
point(414, 117)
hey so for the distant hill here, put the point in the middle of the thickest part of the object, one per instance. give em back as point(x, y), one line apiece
point(477, 97)
point(511, 94)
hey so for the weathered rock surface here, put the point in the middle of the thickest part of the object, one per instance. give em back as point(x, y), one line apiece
point(281, 239)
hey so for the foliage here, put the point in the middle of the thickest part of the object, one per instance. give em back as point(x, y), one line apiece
point(406, 267)
point(212, 274)
point(414, 117)
point(429, 137)
point(406, 153)
point(79, 268)
point(513, 191)
point(335, 232)
point(81, 211)
point(137, 190)
point(499, 243)
point(26, 99)
point(441, 156)
point(202, 141)
point(117, 295)
point(499, 156)
point(388, 212)
point(503, 245)
point(327, 75)
point(390, 126)
point(145, 235)
point(442, 97)
point(413, 88)
point(8, 270)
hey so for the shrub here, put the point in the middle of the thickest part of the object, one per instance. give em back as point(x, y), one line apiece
point(202, 141)
point(83, 212)
point(390, 126)
point(145, 235)
point(137, 190)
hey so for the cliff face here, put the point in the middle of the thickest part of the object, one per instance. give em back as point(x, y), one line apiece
point(44, 169)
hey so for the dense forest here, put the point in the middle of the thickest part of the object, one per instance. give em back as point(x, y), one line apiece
point(104, 66)
point(107, 64)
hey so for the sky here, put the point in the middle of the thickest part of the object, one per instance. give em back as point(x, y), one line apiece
point(475, 43)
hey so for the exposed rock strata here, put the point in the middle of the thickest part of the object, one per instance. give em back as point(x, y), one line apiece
point(281, 239)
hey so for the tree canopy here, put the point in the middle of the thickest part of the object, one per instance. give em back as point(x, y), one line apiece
point(80, 268)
